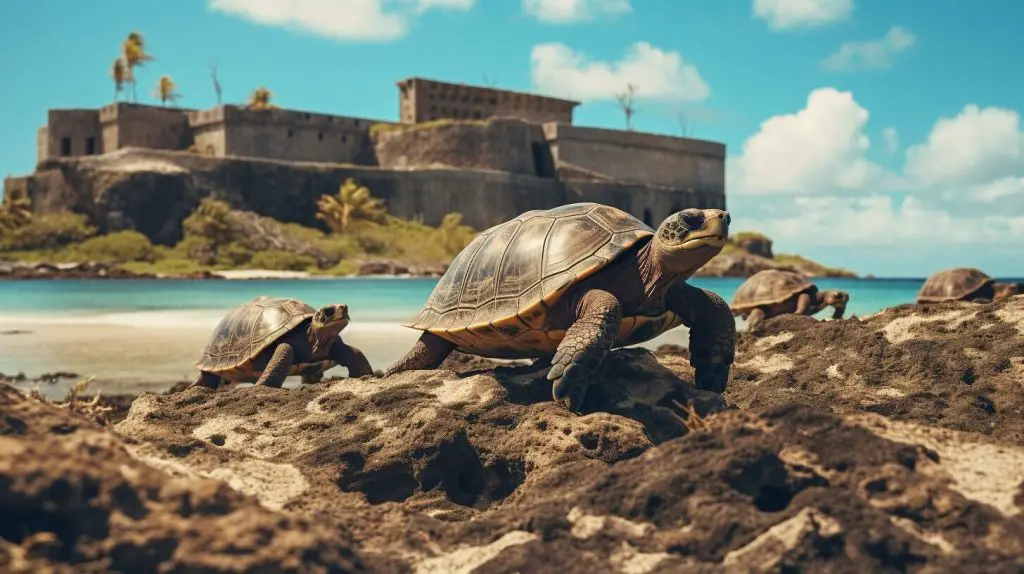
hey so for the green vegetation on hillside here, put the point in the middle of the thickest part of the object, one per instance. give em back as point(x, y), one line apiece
point(217, 237)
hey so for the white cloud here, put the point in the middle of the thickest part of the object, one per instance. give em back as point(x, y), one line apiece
point(871, 54)
point(879, 220)
point(892, 140)
point(568, 11)
point(790, 14)
point(819, 149)
point(658, 75)
point(977, 146)
point(356, 20)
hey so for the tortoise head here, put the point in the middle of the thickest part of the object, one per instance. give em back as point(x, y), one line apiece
point(690, 238)
point(835, 298)
point(332, 317)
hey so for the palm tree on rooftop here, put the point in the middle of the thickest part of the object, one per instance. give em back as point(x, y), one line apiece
point(119, 72)
point(260, 98)
point(165, 90)
point(134, 53)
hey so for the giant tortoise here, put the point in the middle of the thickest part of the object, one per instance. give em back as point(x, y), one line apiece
point(570, 283)
point(267, 339)
point(774, 292)
point(964, 284)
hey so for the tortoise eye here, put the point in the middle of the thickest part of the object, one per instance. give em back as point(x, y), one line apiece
point(327, 312)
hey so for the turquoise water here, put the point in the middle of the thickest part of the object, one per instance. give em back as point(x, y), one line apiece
point(145, 335)
point(370, 300)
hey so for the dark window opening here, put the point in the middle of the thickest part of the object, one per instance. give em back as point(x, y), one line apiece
point(357, 123)
point(90, 145)
point(648, 218)
point(291, 133)
point(477, 115)
point(306, 116)
point(344, 139)
point(320, 136)
point(65, 146)
point(494, 101)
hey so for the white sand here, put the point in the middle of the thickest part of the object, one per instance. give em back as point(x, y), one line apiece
point(261, 274)
point(151, 350)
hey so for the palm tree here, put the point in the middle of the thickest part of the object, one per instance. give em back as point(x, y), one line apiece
point(352, 202)
point(260, 98)
point(165, 90)
point(119, 72)
point(134, 54)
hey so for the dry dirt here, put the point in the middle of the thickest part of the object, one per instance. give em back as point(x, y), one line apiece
point(891, 443)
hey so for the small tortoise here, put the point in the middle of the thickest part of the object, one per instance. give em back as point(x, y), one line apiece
point(964, 284)
point(267, 339)
point(570, 283)
point(774, 292)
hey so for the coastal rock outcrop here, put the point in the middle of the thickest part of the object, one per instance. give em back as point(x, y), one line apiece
point(890, 442)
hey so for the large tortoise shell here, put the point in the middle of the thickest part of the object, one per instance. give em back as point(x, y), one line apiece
point(952, 284)
point(249, 329)
point(769, 287)
point(502, 284)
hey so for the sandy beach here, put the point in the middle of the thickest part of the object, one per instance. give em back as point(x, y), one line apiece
point(150, 351)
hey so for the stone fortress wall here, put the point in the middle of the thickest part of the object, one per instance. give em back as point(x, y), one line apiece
point(482, 136)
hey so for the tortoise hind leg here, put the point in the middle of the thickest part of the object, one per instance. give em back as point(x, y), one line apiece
point(428, 353)
point(206, 380)
point(278, 367)
point(583, 348)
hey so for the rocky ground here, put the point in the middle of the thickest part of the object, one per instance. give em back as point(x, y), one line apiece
point(891, 443)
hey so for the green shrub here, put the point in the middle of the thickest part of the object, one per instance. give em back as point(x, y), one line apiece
point(278, 260)
point(170, 266)
point(234, 255)
point(118, 247)
point(49, 231)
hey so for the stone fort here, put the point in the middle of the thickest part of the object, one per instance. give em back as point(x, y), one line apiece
point(469, 136)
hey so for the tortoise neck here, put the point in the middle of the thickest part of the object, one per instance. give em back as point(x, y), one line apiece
point(655, 275)
point(320, 338)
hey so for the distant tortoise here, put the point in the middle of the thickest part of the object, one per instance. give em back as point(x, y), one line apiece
point(964, 284)
point(572, 282)
point(775, 292)
point(268, 339)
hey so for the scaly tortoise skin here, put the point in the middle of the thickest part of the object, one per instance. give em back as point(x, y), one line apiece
point(568, 284)
point(773, 292)
point(957, 284)
point(268, 339)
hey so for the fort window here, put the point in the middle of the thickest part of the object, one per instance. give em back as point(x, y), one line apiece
point(494, 101)
point(344, 139)
point(306, 116)
point(476, 115)
point(356, 122)
point(90, 145)
point(65, 146)
point(433, 108)
point(648, 218)
point(291, 133)
point(320, 136)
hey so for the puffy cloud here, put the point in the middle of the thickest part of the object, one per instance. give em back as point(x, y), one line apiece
point(356, 20)
point(892, 139)
point(874, 54)
point(879, 221)
point(568, 11)
point(660, 75)
point(819, 149)
point(978, 145)
point(790, 14)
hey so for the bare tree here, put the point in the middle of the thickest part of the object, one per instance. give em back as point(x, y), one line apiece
point(685, 127)
point(216, 81)
point(489, 81)
point(625, 100)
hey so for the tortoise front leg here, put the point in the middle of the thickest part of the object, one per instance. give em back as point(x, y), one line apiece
point(755, 317)
point(351, 358)
point(805, 305)
point(428, 353)
point(278, 367)
point(712, 334)
point(207, 380)
point(581, 351)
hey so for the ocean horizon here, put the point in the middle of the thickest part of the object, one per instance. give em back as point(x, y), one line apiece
point(138, 335)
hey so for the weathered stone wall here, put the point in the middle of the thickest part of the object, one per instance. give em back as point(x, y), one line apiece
point(422, 100)
point(155, 200)
point(679, 163)
point(136, 125)
point(69, 133)
point(508, 145)
point(282, 135)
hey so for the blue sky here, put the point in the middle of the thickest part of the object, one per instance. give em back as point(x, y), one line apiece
point(879, 135)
